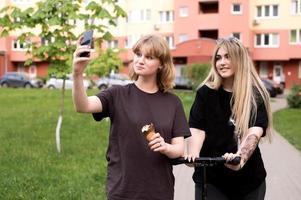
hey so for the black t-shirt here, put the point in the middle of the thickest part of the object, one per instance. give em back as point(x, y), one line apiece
point(211, 113)
point(134, 171)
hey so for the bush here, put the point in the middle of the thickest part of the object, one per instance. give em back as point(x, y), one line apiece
point(196, 73)
point(294, 98)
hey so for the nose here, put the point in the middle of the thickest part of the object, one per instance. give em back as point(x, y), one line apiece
point(141, 59)
point(223, 60)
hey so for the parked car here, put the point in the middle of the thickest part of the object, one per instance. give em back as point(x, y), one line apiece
point(20, 79)
point(270, 86)
point(182, 83)
point(113, 79)
point(57, 83)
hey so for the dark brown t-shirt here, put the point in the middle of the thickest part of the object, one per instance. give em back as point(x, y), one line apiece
point(134, 171)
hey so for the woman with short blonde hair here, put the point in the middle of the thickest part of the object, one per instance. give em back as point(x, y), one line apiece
point(138, 164)
point(156, 46)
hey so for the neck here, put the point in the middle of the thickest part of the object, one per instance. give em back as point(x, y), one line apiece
point(147, 85)
point(228, 84)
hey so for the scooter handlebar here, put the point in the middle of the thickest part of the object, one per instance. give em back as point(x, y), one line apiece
point(205, 161)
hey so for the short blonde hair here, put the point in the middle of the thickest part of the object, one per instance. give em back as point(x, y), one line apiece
point(156, 46)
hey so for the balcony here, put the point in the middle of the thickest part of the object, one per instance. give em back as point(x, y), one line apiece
point(208, 7)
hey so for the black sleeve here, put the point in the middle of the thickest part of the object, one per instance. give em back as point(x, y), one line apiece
point(106, 98)
point(180, 126)
point(197, 111)
point(261, 116)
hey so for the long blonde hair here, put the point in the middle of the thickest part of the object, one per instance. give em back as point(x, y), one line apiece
point(246, 86)
point(156, 46)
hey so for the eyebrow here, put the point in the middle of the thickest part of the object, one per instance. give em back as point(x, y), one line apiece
point(222, 54)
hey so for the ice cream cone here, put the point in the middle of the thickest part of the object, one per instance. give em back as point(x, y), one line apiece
point(148, 131)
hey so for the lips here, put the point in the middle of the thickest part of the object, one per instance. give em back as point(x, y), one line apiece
point(139, 67)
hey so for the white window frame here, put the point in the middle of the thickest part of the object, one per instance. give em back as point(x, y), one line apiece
point(22, 2)
point(263, 11)
point(236, 12)
point(138, 16)
point(163, 16)
point(183, 11)
point(170, 41)
point(270, 42)
point(131, 40)
point(298, 36)
point(296, 7)
point(19, 46)
point(113, 44)
point(183, 37)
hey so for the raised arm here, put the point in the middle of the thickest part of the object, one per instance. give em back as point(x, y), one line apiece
point(81, 101)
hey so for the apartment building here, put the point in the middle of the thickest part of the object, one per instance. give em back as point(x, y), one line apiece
point(270, 29)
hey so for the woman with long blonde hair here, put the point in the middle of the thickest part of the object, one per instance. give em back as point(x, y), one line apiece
point(230, 115)
point(138, 168)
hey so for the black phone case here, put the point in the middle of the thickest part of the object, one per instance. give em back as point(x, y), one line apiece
point(87, 40)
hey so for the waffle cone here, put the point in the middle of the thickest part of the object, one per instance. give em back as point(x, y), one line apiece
point(150, 132)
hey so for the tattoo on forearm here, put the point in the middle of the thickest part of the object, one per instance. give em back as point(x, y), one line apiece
point(248, 147)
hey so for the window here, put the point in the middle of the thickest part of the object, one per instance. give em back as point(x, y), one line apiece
point(259, 11)
point(184, 11)
point(263, 69)
point(18, 46)
point(166, 16)
point(236, 9)
point(296, 7)
point(139, 15)
point(267, 11)
point(112, 44)
point(267, 40)
point(183, 38)
point(131, 40)
point(237, 35)
point(295, 36)
point(22, 1)
point(170, 41)
point(45, 42)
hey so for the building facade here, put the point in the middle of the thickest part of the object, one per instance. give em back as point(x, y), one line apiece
point(270, 29)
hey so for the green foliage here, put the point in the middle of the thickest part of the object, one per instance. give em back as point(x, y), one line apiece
point(196, 72)
point(294, 98)
point(287, 123)
point(103, 64)
point(30, 166)
point(56, 21)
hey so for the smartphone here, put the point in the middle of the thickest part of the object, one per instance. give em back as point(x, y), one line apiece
point(87, 40)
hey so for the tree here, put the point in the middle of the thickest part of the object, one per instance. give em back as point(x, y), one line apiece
point(54, 40)
point(196, 72)
point(105, 63)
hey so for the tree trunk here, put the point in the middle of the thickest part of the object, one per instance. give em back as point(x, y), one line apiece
point(60, 119)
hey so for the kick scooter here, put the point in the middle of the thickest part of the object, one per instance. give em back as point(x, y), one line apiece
point(204, 162)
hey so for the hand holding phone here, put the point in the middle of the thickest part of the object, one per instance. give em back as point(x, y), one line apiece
point(87, 40)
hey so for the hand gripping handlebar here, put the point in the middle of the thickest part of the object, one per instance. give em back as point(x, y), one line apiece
point(205, 161)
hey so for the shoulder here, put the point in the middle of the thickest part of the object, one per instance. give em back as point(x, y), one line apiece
point(204, 90)
point(171, 96)
point(258, 97)
point(114, 90)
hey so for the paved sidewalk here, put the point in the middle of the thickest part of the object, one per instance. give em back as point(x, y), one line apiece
point(282, 162)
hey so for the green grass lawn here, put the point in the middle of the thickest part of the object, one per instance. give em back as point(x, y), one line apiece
point(287, 123)
point(30, 167)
